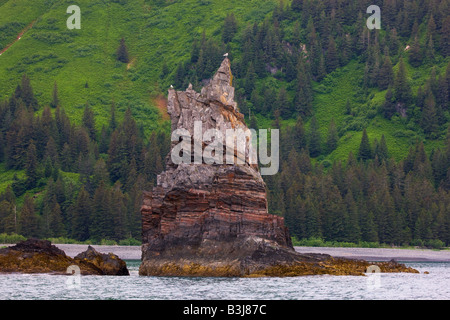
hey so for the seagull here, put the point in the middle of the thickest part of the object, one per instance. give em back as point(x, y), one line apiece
point(226, 54)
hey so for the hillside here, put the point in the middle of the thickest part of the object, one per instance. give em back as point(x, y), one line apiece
point(308, 67)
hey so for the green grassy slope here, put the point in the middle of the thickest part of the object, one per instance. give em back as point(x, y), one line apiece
point(50, 52)
point(344, 84)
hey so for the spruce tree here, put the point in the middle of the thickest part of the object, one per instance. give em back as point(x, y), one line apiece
point(304, 96)
point(119, 213)
point(122, 52)
point(28, 220)
point(299, 135)
point(229, 28)
point(282, 104)
point(368, 227)
point(388, 108)
point(402, 88)
point(315, 143)
point(365, 150)
point(81, 216)
point(381, 149)
point(333, 137)
point(415, 53)
point(445, 37)
point(101, 221)
point(56, 221)
point(88, 121)
point(6, 217)
point(55, 98)
point(353, 230)
point(386, 74)
point(332, 58)
point(429, 121)
point(31, 166)
point(312, 219)
point(27, 94)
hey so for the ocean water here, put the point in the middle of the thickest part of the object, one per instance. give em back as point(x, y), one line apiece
point(385, 286)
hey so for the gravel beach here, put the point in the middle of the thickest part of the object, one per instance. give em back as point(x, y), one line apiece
point(382, 254)
point(123, 252)
point(369, 254)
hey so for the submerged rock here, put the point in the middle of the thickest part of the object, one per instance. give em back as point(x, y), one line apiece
point(40, 256)
point(109, 264)
point(211, 219)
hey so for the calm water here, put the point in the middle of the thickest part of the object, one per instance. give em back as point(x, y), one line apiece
point(435, 285)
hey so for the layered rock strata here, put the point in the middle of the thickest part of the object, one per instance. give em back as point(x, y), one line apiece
point(211, 219)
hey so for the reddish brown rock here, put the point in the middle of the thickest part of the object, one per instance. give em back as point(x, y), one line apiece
point(212, 219)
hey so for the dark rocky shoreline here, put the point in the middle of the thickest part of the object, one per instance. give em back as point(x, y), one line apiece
point(40, 256)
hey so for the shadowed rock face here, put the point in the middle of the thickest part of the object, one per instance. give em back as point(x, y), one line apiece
point(212, 219)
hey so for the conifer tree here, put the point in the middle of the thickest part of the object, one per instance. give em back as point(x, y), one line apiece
point(299, 135)
point(303, 97)
point(55, 98)
point(122, 52)
point(89, 121)
point(381, 149)
point(402, 88)
point(229, 28)
point(7, 217)
point(250, 79)
point(386, 74)
point(353, 230)
point(333, 137)
point(368, 227)
point(312, 219)
point(332, 59)
point(101, 221)
point(28, 220)
point(365, 150)
point(282, 104)
point(388, 105)
point(315, 143)
point(304, 161)
point(429, 119)
point(415, 53)
point(81, 216)
point(31, 166)
point(445, 37)
point(119, 213)
point(26, 93)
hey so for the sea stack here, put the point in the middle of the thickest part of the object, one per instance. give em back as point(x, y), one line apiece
point(211, 219)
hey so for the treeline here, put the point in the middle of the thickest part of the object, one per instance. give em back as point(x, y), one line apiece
point(370, 197)
point(80, 182)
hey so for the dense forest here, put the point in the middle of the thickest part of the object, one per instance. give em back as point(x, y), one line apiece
point(370, 196)
point(114, 166)
point(280, 65)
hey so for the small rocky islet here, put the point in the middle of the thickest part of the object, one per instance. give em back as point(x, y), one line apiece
point(205, 219)
point(40, 256)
